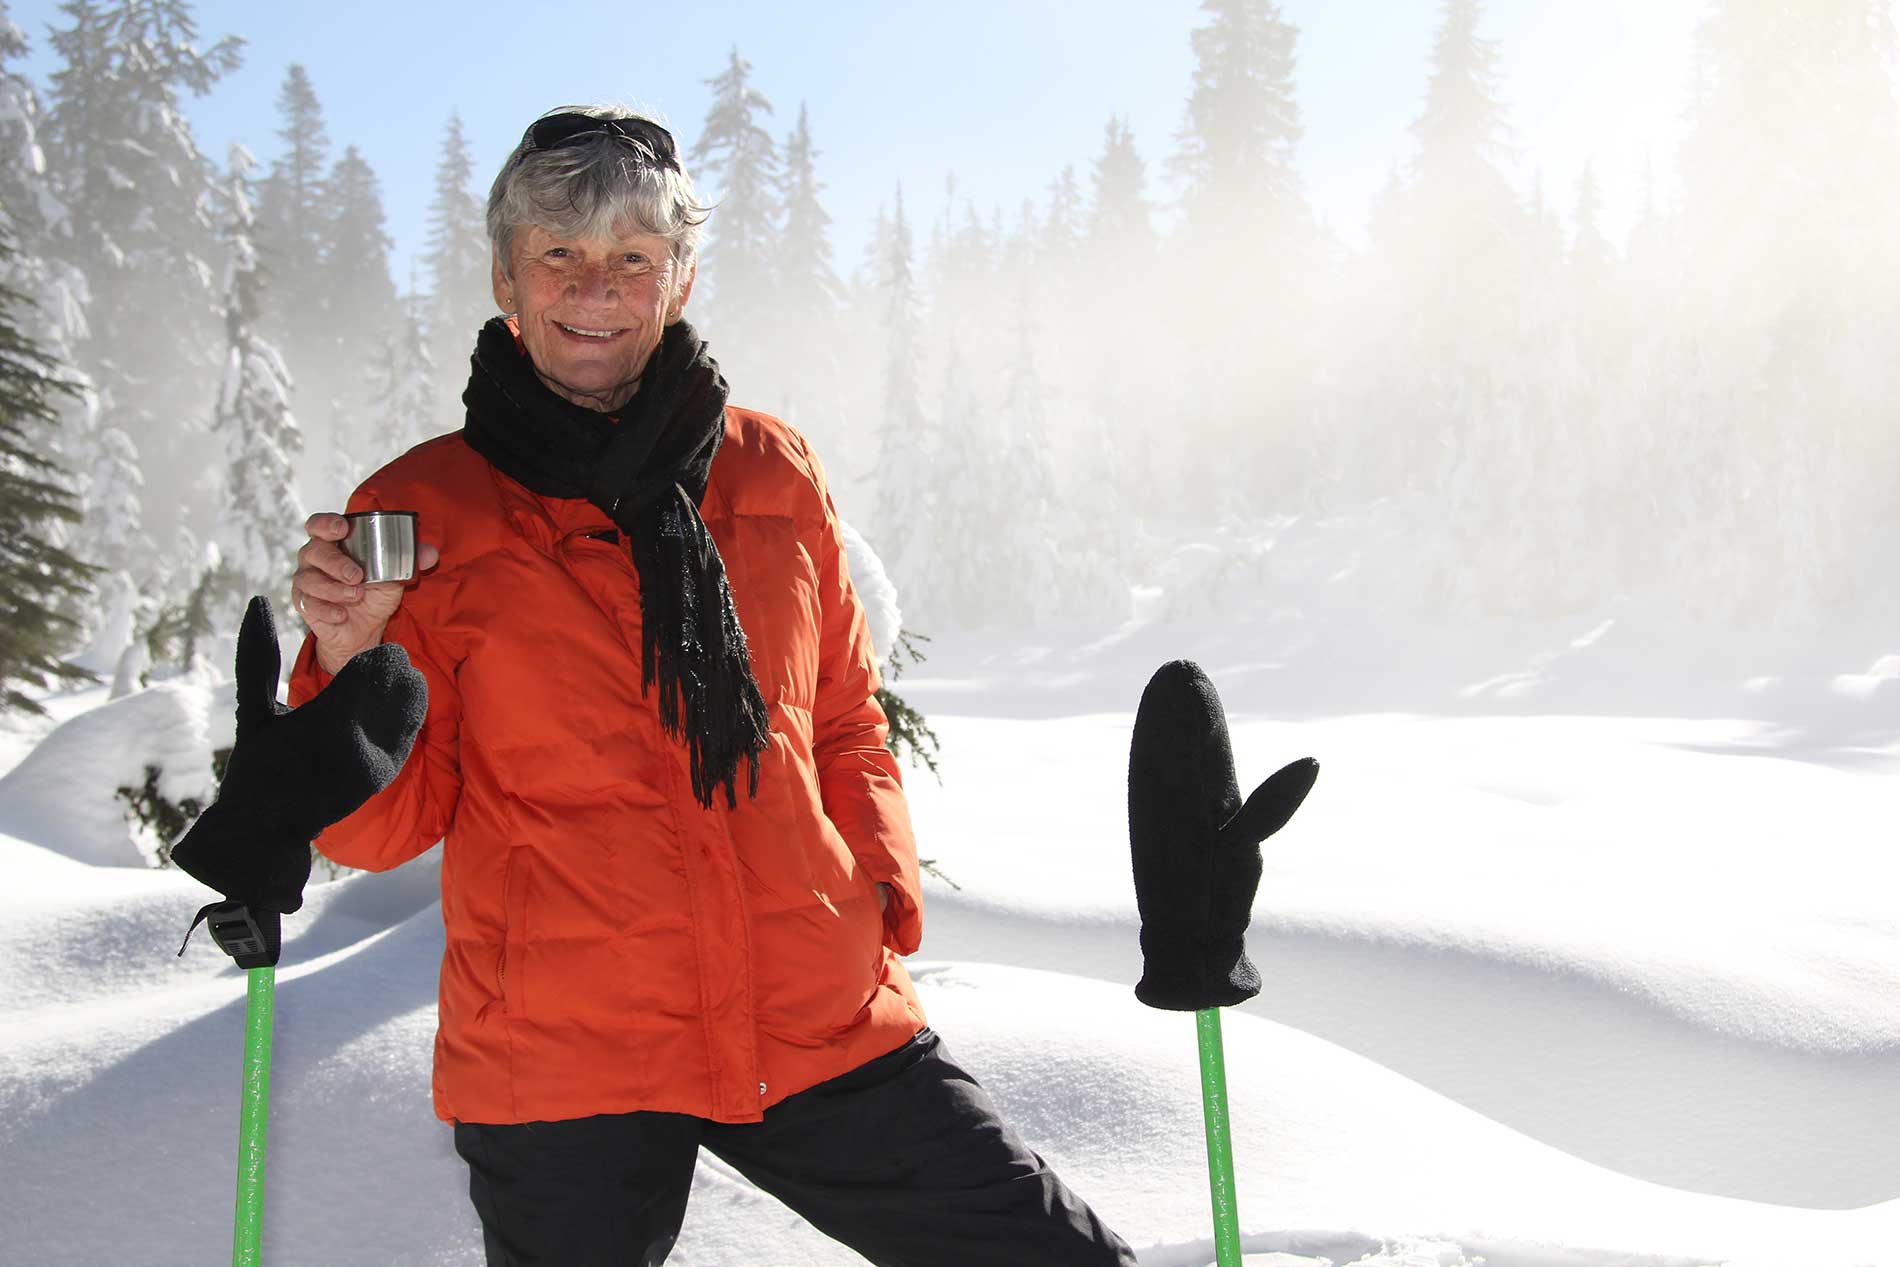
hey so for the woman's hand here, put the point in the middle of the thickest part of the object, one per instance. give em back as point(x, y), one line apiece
point(345, 615)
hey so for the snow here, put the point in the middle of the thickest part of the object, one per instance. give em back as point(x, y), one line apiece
point(1603, 971)
point(875, 592)
point(64, 795)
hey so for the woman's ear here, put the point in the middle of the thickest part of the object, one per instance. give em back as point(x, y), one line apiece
point(498, 278)
point(684, 291)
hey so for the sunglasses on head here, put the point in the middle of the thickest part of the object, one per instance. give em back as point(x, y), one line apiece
point(573, 127)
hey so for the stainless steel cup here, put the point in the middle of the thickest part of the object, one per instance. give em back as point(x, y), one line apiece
point(383, 543)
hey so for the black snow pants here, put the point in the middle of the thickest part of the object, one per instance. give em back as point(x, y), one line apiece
point(904, 1159)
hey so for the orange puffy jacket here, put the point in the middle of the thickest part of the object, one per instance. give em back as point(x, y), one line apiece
point(611, 945)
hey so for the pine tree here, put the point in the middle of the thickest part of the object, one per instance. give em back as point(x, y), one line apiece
point(1788, 244)
point(260, 518)
point(736, 154)
point(1062, 237)
point(1249, 261)
point(1120, 222)
point(401, 413)
point(290, 223)
point(359, 300)
point(1591, 255)
point(807, 280)
point(22, 163)
point(1026, 508)
point(38, 578)
point(140, 230)
point(956, 580)
point(1461, 134)
point(1237, 142)
point(33, 216)
point(1468, 268)
point(461, 299)
point(906, 442)
point(961, 276)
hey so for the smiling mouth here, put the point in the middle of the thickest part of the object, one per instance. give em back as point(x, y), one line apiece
point(588, 334)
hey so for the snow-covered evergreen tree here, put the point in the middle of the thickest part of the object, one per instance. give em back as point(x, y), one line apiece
point(53, 312)
point(957, 580)
point(140, 228)
point(38, 577)
point(1237, 141)
point(1062, 227)
point(1120, 221)
point(1788, 244)
point(402, 410)
point(260, 517)
point(809, 347)
point(1249, 262)
point(461, 299)
point(1121, 243)
point(1026, 509)
point(290, 230)
point(906, 440)
point(24, 196)
point(1591, 256)
point(737, 158)
point(365, 318)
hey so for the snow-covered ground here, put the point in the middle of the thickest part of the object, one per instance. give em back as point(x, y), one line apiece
point(1583, 951)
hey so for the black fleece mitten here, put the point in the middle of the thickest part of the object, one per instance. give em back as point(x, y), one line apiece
point(1196, 847)
point(294, 772)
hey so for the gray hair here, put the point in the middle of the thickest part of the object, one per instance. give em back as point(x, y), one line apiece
point(590, 186)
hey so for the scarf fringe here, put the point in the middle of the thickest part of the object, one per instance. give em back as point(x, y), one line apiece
point(648, 473)
point(707, 691)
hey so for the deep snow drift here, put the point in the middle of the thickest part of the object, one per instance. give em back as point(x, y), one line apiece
point(1543, 988)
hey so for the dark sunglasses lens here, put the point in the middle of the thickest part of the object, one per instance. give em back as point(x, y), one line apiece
point(557, 130)
point(551, 132)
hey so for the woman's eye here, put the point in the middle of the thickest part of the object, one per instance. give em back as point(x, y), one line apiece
point(557, 252)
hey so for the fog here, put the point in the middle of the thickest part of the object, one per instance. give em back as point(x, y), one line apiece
point(1043, 414)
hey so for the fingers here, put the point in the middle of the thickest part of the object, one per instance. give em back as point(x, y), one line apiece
point(328, 588)
point(321, 598)
point(327, 558)
point(327, 527)
point(326, 579)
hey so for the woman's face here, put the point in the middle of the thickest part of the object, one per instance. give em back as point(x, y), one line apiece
point(591, 310)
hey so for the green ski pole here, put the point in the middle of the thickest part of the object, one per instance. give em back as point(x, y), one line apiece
point(254, 1118)
point(253, 939)
point(1220, 1148)
point(1196, 849)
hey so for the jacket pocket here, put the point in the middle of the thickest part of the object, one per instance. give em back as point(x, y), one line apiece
point(512, 967)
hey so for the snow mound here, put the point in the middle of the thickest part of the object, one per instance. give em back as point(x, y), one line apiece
point(64, 796)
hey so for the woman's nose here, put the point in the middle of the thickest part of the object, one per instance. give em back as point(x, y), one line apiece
point(595, 285)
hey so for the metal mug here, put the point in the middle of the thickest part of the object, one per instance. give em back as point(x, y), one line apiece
point(383, 543)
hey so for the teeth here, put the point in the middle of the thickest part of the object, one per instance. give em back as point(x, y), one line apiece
point(592, 334)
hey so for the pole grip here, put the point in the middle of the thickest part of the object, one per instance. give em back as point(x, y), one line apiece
point(1220, 1148)
point(254, 1118)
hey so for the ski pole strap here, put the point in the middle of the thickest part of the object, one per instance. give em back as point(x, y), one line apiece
point(247, 1228)
point(253, 938)
point(1220, 1149)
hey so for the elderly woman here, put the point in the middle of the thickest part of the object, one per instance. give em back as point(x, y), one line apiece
point(678, 868)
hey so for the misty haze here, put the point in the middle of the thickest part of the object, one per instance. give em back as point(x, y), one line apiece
point(1563, 537)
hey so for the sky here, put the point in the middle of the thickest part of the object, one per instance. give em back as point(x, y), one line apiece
point(993, 95)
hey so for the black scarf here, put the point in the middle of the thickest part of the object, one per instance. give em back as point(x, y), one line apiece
point(648, 472)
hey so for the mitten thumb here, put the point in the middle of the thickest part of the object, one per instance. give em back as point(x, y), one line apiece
point(259, 663)
point(1271, 805)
